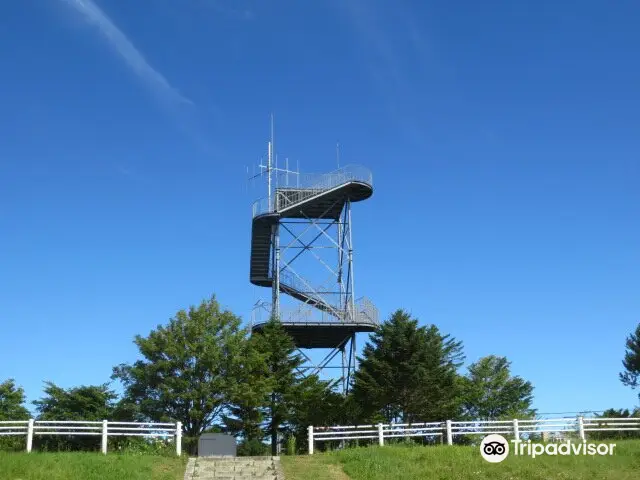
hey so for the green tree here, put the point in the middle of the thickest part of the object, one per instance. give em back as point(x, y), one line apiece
point(245, 416)
point(408, 373)
point(617, 434)
point(631, 361)
point(491, 392)
point(189, 367)
point(12, 400)
point(282, 364)
point(85, 402)
point(316, 403)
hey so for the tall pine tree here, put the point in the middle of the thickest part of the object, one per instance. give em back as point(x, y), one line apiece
point(631, 362)
point(247, 400)
point(408, 373)
point(282, 364)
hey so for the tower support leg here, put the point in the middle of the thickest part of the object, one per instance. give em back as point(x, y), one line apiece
point(275, 269)
point(345, 369)
point(351, 303)
point(351, 366)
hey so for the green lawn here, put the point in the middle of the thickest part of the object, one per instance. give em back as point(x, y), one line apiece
point(89, 466)
point(372, 463)
point(460, 463)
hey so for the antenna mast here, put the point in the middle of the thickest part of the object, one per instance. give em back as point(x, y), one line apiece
point(271, 167)
point(269, 163)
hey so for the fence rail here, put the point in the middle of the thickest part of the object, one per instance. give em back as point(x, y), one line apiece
point(449, 429)
point(103, 428)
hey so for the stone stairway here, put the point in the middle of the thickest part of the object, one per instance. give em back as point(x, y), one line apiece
point(234, 468)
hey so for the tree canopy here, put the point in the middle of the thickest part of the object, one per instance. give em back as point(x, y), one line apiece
point(12, 400)
point(282, 366)
point(408, 372)
point(490, 392)
point(189, 368)
point(86, 402)
point(631, 361)
point(245, 416)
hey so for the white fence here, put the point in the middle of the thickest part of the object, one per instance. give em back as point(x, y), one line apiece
point(104, 428)
point(563, 426)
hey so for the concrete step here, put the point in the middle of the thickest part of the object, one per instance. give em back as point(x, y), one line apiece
point(242, 471)
point(234, 468)
point(242, 477)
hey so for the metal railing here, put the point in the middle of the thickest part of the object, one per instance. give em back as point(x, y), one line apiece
point(308, 185)
point(103, 428)
point(578, 426)
point(294, 282)
point(366, 313)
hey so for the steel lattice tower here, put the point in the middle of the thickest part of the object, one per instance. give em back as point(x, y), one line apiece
point(302, 231)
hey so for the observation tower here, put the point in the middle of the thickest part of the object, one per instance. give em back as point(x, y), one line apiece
point(301, 246)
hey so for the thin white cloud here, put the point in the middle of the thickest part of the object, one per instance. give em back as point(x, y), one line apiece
point(94, 16)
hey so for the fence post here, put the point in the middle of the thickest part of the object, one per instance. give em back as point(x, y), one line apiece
point(104, 437)
point(179, 439)
point(516, 429)
point(581, 428)
point(449, 433)
point(310, 429)
point(380, 435)
point(30, 435)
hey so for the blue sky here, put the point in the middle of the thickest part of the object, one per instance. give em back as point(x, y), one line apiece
point(503, 139)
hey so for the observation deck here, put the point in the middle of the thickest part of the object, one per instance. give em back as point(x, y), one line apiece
point(313, 197)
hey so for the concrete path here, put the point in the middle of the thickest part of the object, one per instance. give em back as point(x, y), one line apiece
point(234, 468)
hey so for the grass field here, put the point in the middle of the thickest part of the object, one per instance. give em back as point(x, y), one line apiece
point(89, 466)
point(460, 463)
point(372, 463)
